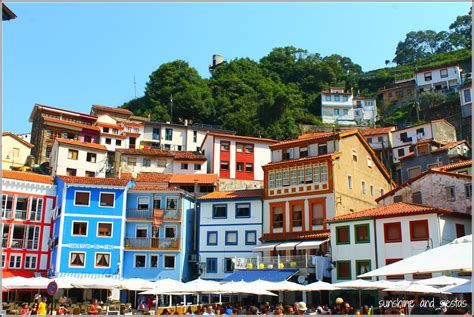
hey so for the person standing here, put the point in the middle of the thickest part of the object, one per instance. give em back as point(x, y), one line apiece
point(42, 307)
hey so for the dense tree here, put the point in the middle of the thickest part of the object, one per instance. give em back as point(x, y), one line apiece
point(461, 31)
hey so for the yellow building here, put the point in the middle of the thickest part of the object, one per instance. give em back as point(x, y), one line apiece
point(15, 151)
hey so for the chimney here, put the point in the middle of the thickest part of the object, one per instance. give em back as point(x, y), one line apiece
point(149, 116)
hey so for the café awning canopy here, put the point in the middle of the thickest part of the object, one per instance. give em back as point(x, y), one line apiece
point(261, 274)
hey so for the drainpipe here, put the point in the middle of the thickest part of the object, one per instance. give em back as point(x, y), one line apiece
point(376, 252)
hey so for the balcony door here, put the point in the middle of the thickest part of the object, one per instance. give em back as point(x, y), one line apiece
point(32, 237)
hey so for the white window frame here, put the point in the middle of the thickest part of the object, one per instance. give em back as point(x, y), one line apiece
point(31, 257)
point(350, 181)
point(76, 266)
point(82, 191)
point(100, 198)
point(164, 261)
point(16, 256)
point(157, 261)
point(175, 231)
point(35, 211)
point(111, 229)
point(372, 190)
point(142, 227)
point(135, 261)
point(148, 201)
point(79, 235)
point(363, 186)
point(102, 267)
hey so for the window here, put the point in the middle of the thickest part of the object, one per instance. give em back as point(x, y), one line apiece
point(154, 261)
point(36, 207)
point(240, 148)
point(251, 237)
point(336, 98)
point(228, 265)
point(105, 130)
point(342, 235)
point(278, 179)
point(225, 146)
point(414, 171)
point(420, 131)
point(419, 230)
point(393, 277)
point(197, 167)
point(156, 134)
point(467, 95)
point(212, 238)
point(293, 177)
point(169, 261)
point(297, 215)
point(240, 166)
point(140, 261)
point(390, 95)
point(303, 152)
point(224, 165)
point(79, 228)
point(108, 141)
point(231, 237)
point(322, 149)
point(195, 136)
point(382, 192)
point(443, 73)
point(277, 217)
point(372, 190)
point(286, 154)
point(362, 266)
point(392, 232)
point(397, 199)
point(324, 173)
point(184, 166)
point(380, 139)
point(242, 210)
point(363, 188)
point(90, 174)
point(211, 265)
point(460, 230)
point(142, 203)
point(206, 189)
point(168, 134)
point(249, 167)
point(286, 180)
point(423, 149)
point(15, 262)
point(450, 193)
point(161, 163)
point(170, 232)
point(248, 148)
point(118, 142)
point(416, 198)
point(30, 262)
point(81, 198)
point(156, 203)
point(317, 214)
point(399, 93)
point(107, 200)
point(167, 146)
point(146, 162)
point(72, 154)
point(428, 76)
point(77, 259)
point(369, 140)
point(343, 269)
point(362, 233)
point(401, 152)
point(336, 112)
point(102, 260)
point(71, 172)
point(104, 229)
point(141, 231)
point(369, 162)
point(3, 260)
point(219, 211)
point(301, 175)
point(345, 98)
point(271, 179)
point(308, 174)
point(354, 155)
point(468, 189)
point(171, 203)
point(345, 112)
point(91, 157)
point(316, 173)
point(328, 98)
point(132, 161)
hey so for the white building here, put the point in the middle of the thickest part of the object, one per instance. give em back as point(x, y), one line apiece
point(25, 136)
point(337, 106)
point(438, 78)
point(74, 158)
point(365, 110)
point(369, 239)
point(236, 157)
point(15, 151)
point(116, 134)
point(176, 137)
point(404, 140)
point(230, 224)
point(465, 96)
point(159, 161)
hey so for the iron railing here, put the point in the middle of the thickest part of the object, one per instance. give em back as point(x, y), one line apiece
point(168, 214)
point(273, 262)
point(152, 243)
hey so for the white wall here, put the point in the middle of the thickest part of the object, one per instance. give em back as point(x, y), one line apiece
point(375, 144)
point(15, 158)
point(60, 161)
point(190, 170)
point(453, 75)
point(397, 143)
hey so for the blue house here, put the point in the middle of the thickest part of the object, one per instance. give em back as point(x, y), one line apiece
point(159, 234)
point(88, 236)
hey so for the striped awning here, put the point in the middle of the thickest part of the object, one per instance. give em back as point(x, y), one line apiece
point(89, 275)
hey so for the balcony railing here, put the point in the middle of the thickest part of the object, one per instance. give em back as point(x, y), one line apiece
point(274, 262)
point(6, 213)
point(152, 243)
point(148, 214)
point(172, 215)
point(17, 244)
point(20, 214)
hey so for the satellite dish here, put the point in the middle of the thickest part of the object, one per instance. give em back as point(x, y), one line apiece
point(301, 279)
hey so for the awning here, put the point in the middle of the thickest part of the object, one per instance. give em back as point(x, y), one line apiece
point(287, 245)
point(265, 247)
point(310, 244)
point(266, 275)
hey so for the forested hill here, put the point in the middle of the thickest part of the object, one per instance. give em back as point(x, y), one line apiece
point(272, 96)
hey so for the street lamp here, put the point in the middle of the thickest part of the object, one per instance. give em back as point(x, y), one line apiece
point(13, 157)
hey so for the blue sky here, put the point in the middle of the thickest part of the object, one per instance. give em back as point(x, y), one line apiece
point(73, 55)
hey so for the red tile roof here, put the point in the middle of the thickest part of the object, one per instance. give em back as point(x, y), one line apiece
point(411, 180)
point(393, 210)
point(153, 188)
point(209, 179)
point(240, 137)
point(450, 146)
point(409, 154)
point(70, 123)
point(117, 136)
point(133, 124)
point(189, 156)
point(309, 235)
point(94, 181)
point(454, 166)
point(310, 158)
point(112, 109)
point(16, 137)
point(233, 194)
point(82, 144)
point(28, 177)
point(109, 125)
point(374, 131)
point(177, 155)
point(314, 135)
point(308, 137)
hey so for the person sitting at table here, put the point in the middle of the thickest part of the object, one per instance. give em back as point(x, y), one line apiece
point(34, 309)
point(25, 310)
point(62, 310)
point(93, 309)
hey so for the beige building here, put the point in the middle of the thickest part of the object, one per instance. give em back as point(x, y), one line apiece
point(15, 151)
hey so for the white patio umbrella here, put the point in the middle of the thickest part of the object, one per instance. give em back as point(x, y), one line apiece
point(358, 285)
point(454, 256)
point(242, 288)
point(443, 281)
point(164, 286)
point(99, 283)
point(19, 282)
point(387, 284)
point(415, 287)
point(136, 284)
point(321, 286)
point(459, 289)
point(65, 282)
point(277, 286)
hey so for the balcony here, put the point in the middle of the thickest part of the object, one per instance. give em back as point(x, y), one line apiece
point(6, 214)
point(168, 214)
point(20, 214)
point(152, 243)
point(274, 262)
point(17, 244)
